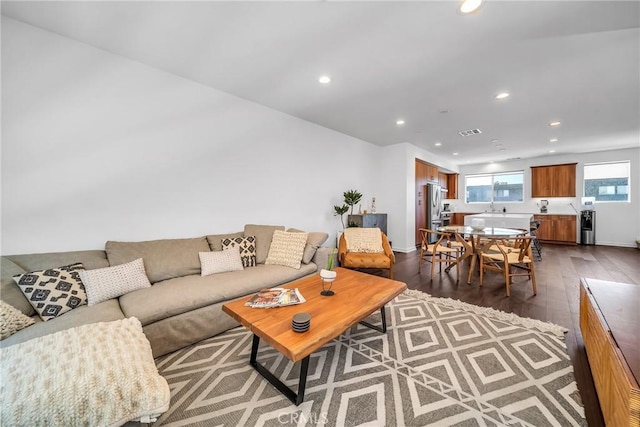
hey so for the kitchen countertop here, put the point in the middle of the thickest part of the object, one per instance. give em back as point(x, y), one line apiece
point(499, 214)
point(502, 215)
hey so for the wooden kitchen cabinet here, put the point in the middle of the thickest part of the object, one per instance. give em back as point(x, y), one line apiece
point(432, 173)
point(557, 228)
point(457, 218)
point(553, 180)
point(442, 180)
point(452, 186)
point(425, 174)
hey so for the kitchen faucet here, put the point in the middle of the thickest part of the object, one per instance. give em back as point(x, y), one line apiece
point(493, 209)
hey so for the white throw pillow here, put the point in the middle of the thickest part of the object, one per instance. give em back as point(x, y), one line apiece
point(287, 249)
point(111, 282)
point(220, 261)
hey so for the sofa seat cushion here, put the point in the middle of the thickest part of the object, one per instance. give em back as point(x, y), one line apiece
point(363, 260)
point(176, 296)
point(83, 315)
point(163, 259)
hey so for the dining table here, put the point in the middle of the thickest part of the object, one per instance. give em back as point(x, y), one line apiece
point(490, 234)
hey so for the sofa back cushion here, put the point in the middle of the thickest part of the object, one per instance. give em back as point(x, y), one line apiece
point(263, 235)
point(215, 240)
point(19, 264)
point(163, 259)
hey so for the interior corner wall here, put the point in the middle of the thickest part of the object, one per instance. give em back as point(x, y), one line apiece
point(97, 147)
point(399, 190)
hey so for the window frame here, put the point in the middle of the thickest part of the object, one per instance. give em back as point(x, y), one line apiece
point(616, 186)
point(493, 176)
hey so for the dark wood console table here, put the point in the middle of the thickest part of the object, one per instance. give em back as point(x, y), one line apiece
point(610, 325)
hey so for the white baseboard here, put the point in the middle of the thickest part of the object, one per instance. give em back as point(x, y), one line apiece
point(621, 245)
point(404, 250)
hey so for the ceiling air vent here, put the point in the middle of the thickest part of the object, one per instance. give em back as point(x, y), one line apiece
point(470, 132)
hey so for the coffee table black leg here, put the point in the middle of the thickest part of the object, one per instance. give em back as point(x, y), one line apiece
point(275, 381)
point(382, 329)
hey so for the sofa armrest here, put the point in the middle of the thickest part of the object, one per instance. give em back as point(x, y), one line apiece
point(322, 256)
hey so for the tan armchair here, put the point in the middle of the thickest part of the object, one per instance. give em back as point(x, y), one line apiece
point(353, 259)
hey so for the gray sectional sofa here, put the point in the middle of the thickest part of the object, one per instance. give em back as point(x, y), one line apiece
point(181, 307)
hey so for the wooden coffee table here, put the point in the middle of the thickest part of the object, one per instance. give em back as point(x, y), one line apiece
point(357, 295)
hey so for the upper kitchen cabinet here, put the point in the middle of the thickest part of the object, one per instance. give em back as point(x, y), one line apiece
point(426, 174)
point(553, 180)
point(452, 186)
point(442, 180)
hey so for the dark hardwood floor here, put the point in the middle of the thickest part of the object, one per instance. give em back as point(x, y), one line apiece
point(557, 301)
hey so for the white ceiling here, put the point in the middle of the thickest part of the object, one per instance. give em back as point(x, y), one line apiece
point(572, 61)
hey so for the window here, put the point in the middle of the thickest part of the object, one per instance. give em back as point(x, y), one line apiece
point(607, 182)
point(497, 187)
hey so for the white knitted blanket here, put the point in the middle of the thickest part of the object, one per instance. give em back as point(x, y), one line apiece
point(102, 374)
point(367, 240)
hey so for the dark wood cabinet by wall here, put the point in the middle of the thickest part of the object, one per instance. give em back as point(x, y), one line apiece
point(375, 220)
point(457, 218)
point(452, 186)
point(425, 174)
point(557, 228)
point(442, 180)
point(553, 180)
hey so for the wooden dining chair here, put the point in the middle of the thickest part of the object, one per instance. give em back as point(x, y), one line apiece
point(441, 252)
point(512, 257)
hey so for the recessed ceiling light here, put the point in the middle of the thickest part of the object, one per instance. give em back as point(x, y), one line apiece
point(553, 124)
point(468, 6)
point(502, 95)
point(325, 80)
point(553, 140)
point(552, 151)
point(455, 154)
point(495, 140)
point(503, 149)
point(438, 144)
point(399, 122)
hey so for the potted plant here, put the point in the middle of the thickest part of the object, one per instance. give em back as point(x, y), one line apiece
point(352, 198)
point(341, 210)
point(328, 275)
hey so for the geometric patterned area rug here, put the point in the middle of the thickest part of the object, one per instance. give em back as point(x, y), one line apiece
point(442, 362)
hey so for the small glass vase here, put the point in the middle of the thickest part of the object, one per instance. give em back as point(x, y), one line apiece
point(327, 277)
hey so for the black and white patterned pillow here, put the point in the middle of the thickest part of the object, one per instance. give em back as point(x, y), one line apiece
point(247, 247)
point(54, 291)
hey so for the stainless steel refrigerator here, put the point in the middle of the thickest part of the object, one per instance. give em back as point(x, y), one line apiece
point(434, 206)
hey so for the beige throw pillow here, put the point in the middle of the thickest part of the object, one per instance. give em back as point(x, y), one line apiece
point(367, 240)
point(286, 249)
point(263, 235)
point(315, 239)
point(220, 261)
point(12, 320)
point(106, 283)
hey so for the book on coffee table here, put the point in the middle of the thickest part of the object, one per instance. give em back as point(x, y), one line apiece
point(276, 297)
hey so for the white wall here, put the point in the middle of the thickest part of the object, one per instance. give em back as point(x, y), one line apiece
point(617, 223)
point(398, 186)
point(96, 147)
